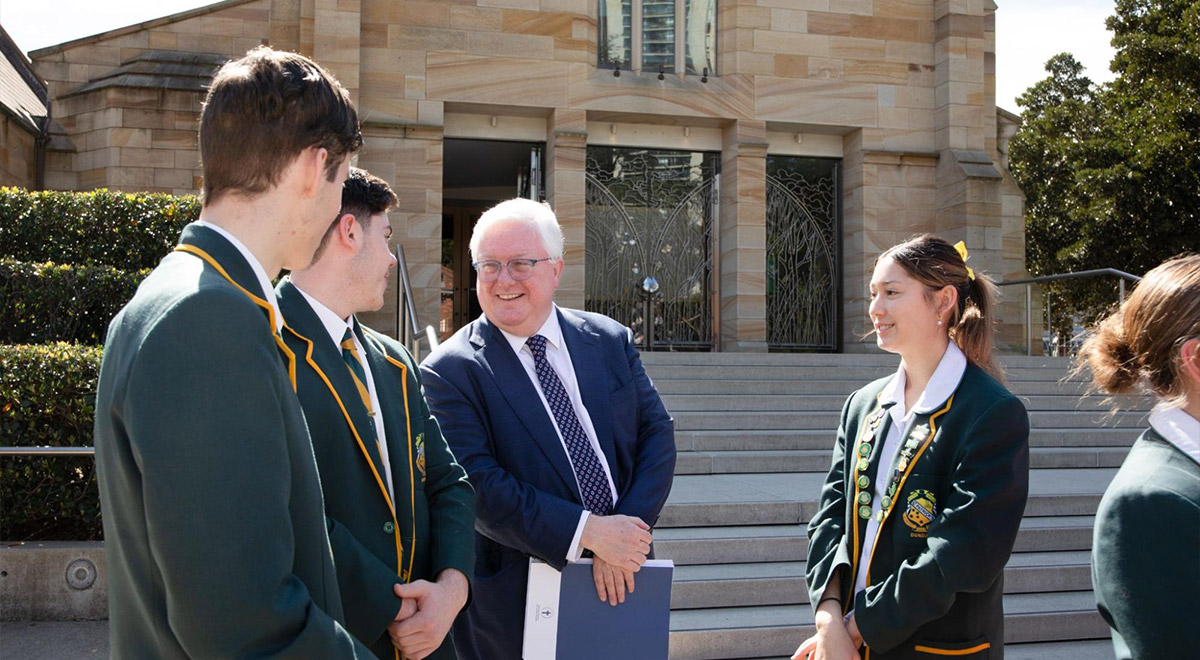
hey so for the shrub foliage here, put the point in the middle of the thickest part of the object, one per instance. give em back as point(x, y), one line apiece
point(122, 230)
point(48, 398)
point(59, 302)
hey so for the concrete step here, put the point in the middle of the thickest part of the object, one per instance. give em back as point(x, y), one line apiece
point(817, 460)
point(782, 582)
point(818, 382)
point(801, 439)
point(737, 402)
point(696, 546)
point(776, 630)
point(872, 358)
point(783, 498)
point(849, 372)
point(1087, 649)
point(786, 420)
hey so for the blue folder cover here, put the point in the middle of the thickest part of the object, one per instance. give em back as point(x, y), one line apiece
point(591, 629)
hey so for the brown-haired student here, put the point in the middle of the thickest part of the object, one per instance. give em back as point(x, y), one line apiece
point(929, 478)
point(214, 525)
point(1146, 541)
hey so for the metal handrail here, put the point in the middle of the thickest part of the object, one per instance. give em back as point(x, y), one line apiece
point(47, 451)
point(1030, 281)
point(410, 333)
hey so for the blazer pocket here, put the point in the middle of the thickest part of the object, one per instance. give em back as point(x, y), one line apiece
point(916, 508)
point(976, 649)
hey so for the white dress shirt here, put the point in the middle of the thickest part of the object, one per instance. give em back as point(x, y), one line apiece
point(336, 327)
point(560, 360)
point(945, 380)
point(1178, 428)
point(265, 289)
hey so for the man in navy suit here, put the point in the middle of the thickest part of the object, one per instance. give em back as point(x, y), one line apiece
point(561, 433)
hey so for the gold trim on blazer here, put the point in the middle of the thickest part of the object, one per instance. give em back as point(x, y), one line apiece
point(936, 651)
point(197, 252)
point(363, 448)
point(907, 471)
point(412, 488)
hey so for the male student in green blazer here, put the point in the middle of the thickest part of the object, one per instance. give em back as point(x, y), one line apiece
point(389, 478)
point(214, 526)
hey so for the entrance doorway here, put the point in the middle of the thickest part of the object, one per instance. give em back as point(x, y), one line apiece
point(477, 174)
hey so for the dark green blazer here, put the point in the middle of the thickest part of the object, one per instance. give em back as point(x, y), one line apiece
point(213, 521)
point(935, 579)
point(433, 524)
point(1146, 553)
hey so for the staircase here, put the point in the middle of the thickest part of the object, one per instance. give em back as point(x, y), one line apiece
point(754, 433)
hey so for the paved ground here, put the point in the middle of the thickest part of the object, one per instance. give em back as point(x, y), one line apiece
point(54, 640)
point(88, 640)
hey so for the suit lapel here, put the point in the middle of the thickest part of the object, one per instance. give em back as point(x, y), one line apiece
point(325, 358)
point(584, 347)
point(497, 357)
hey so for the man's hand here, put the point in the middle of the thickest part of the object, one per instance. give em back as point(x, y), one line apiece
point(623, 541)
point(611, 582)
point(437, 603)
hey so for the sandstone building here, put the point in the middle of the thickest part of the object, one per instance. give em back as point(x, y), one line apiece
point(725, 170)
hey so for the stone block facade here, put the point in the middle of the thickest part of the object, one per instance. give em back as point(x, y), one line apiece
point(901, 91)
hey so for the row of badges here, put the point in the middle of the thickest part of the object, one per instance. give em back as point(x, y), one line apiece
point(916, 436)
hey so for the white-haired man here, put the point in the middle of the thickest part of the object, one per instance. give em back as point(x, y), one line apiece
point(563, 436)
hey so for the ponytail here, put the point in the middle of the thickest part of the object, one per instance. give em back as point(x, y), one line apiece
point(973, 331)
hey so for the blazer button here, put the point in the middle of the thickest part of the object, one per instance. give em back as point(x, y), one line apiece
point(388, 528)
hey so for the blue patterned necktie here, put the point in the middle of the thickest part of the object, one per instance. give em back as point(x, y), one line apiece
point(593, 485)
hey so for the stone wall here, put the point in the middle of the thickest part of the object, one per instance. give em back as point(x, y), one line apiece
point(18, 154)
point(906, 86)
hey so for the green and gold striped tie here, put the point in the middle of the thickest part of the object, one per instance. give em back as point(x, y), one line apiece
point(354, 362)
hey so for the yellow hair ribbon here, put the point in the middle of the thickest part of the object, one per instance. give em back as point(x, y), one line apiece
point(961, 247)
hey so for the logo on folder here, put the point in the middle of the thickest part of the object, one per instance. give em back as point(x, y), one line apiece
point(542, 612)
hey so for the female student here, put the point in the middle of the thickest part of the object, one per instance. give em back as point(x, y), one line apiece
point(929, 478)
point(1146, 547)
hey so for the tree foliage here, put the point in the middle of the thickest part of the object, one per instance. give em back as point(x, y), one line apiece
point(1111, 173)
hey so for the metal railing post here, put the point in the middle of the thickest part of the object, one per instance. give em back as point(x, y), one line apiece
point(1028, 319)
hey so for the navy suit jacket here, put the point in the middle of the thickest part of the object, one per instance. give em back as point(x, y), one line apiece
point(527, 501)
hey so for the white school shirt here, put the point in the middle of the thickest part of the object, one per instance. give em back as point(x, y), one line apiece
point(1178, 428)
point(945, 380)
point(560, 360)
point(336, 327)
point(266, 290)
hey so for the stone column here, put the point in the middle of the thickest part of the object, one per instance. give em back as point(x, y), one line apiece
point(410, 159)
point(969, 204)
point(566, 154)
point(742, 241)
point(336, 40)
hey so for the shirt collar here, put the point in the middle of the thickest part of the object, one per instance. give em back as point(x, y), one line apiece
point(267, 291)
point(550, 330)
point(1178, 428)
point(941, 385)
point(334, 325)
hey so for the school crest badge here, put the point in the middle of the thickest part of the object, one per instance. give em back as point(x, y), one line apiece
point(920, 512)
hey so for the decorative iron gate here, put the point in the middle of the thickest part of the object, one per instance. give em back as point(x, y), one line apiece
point(803, 253)
point(649, 224)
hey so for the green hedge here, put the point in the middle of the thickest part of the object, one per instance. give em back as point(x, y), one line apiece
point(48, 397)
point(54, 302)
point(128, 231)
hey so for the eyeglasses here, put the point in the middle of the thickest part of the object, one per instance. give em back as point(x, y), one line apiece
point(518, 269)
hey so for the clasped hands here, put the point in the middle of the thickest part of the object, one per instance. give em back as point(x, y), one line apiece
point(619, 545)
point(427, 610)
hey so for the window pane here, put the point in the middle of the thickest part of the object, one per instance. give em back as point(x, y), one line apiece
point(615, 29)
point(701, 36)
point(658, 35)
